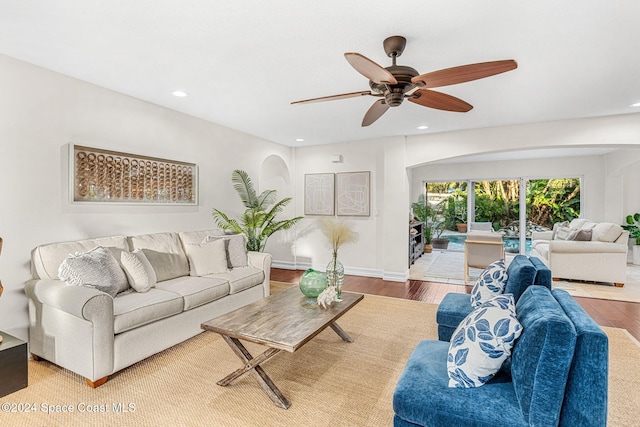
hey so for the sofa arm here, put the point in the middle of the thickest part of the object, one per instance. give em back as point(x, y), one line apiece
point(71, 326)
point(262, 260)
point(541, 235)
point(81, 301)
point(571, 246)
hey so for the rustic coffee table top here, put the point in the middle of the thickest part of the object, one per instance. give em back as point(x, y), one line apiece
point(285, 320)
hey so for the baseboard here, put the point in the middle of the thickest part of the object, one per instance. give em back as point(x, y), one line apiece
point(364, 272)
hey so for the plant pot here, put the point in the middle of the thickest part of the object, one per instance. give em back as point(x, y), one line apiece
point(636, 254)
point(427, 248)
point(462, 228)
point(440, 243)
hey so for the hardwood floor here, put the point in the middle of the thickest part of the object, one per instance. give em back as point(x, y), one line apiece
point(618, 314)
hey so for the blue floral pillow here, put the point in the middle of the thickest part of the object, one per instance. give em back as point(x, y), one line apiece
point(491, 282)
point(482, 342)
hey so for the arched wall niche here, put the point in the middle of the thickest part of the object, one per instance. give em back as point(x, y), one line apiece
point(275, 175)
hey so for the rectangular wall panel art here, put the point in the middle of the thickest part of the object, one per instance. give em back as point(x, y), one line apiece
point(353, 193)
point(319, 194)
point(108, 176)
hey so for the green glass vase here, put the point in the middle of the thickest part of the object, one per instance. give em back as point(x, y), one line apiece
point(312, 283)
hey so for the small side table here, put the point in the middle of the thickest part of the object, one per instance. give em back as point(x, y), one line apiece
point(13, 364)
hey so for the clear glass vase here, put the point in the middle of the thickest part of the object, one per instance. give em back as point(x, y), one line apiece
point(335, 275)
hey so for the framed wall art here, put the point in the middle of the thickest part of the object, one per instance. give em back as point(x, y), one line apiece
point(319, 189)
point(353, 193)
point(107, 176)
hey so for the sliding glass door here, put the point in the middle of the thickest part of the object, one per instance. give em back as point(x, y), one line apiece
point(514, 207)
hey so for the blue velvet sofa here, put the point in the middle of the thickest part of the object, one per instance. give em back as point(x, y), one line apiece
point(558, 374)
point(522, 273)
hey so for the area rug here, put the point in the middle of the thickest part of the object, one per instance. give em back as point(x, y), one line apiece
point(329, 382)
point(448, 267)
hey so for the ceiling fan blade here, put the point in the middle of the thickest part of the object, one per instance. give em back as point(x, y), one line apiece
point(464, 73)
point(375, 112)
point(332, 97)
point(370, 69)
point(440, 101)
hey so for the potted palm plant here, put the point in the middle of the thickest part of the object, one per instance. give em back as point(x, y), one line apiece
point(422, 212)
point(258, 221)
point(633, 227)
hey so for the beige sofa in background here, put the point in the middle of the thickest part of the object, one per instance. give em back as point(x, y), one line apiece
point(94, 334)
point(603, 258)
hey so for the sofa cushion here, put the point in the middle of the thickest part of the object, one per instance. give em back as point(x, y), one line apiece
point(138, 269)
point(452, 310)
point(422, 396)
point(606, 232)
point(542, 356)
point(164, 252)
point(241, 278)
point(557, 226)
point(47, 258)
point(134, 309)
point(581, 223)
point(482, 342)
point(196, 291)
point(96, 268)
point(236, 247)
point(490, 283)
point(543, 274)
point(520, 275)
point(585, 398)
point(199, 236)
point(206, 258)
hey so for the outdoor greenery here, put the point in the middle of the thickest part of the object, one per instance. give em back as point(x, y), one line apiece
point(633, 226)
point(548, 201)
point(258, 221)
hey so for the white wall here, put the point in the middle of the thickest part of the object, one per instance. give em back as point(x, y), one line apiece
point(42, 111)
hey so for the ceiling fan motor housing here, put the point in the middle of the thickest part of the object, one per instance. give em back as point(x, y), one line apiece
point(394, 94)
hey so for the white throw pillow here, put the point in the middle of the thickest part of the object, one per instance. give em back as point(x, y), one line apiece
point(207, 258)
point(236, 248)
point(139, 271)
point(96, 268)
point(491, 282)
point(482, 342)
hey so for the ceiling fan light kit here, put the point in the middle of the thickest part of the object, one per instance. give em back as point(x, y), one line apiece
point(396, 83)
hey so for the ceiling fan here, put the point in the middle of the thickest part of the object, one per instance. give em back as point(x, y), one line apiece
point(395, 83)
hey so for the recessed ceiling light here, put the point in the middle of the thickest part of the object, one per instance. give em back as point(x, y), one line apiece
point(299, 139)
point(179, 93)
point(422, 127)
point(637, 104)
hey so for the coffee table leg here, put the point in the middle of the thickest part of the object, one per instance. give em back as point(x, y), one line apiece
point(338, 330)
point(252, 365)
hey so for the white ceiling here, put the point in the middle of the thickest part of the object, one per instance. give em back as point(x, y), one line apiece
point(243, 62)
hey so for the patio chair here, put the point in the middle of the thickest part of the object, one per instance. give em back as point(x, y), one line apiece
point(480, 226)
point(481, 249)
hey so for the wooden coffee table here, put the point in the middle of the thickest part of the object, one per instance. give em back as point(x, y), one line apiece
point(285, 320)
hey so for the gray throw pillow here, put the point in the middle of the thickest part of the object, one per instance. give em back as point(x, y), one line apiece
point(236, 248)
point(96, 268)
point(582, 235)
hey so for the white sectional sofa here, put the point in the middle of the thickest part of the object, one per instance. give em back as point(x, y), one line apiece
point(602, 258)
point(94, 334)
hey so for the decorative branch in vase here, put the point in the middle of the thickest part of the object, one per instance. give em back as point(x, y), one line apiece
point(338, 233)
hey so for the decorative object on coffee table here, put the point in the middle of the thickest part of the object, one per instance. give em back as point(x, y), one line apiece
point(338, 233)
point(312, 283)
point(327, 297)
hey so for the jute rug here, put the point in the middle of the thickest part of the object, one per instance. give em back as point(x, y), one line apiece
point(448, 267)
point(329, 382)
